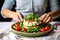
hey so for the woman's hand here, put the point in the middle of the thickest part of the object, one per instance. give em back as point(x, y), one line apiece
point(11, 14)
point(46, 18)
point(17, 17)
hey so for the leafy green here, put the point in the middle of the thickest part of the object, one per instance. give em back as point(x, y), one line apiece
point(21, 24)
point(41, 25)
point(47, 24)
point(32, 17)
point(32, 29)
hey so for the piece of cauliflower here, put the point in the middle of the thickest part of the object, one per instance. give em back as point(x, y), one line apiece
point(30, 23)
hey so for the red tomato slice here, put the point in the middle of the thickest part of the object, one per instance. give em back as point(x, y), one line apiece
point(17, 24)
point(42, 30)
point(17, 28)
point(47, 28)
point(24, 29)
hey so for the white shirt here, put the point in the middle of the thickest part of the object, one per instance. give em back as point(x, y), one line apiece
point(27, 6)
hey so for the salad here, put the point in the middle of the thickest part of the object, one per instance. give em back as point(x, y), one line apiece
point(31, 24)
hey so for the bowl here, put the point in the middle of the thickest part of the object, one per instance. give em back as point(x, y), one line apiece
point(38, 34)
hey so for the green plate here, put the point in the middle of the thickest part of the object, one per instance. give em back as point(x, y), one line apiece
point(38, 34)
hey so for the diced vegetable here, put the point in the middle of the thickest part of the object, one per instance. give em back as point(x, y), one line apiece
point(21, 24)
point(17, 24)
point(32, 29)
point(47, 28)
point(24, 29)
point(42, 29)
point(17, 28)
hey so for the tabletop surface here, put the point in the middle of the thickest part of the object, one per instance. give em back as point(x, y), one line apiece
point(11, 36)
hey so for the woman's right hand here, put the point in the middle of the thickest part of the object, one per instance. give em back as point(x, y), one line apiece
point(14, 15)
point(18, 17)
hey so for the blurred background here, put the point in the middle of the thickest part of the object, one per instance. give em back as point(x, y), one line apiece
point(8, 19)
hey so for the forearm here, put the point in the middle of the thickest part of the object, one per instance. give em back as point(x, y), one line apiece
point(55, 14)
point(8, 13)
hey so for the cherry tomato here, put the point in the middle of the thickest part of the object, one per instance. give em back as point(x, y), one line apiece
point(17, 28)
point(17, 24)
point(47, 28)
point(42, 29)
point(24, 29)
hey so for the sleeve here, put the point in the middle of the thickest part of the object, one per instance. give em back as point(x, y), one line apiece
point(8, 4)
point(54, 4)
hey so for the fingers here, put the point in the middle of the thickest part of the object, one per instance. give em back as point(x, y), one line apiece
point(42, 17)
point(16, 19)
point(45, 18)
point(20, 16)
point(48, 20)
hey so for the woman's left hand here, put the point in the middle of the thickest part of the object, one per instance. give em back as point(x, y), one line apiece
point(45, 18)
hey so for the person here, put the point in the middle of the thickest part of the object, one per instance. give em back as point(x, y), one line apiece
point(24, 7)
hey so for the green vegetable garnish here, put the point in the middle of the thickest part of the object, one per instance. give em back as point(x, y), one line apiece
point(32, 17)
point(33, 29)
point(21, 24)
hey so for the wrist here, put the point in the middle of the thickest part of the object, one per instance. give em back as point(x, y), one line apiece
point(53, 15)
